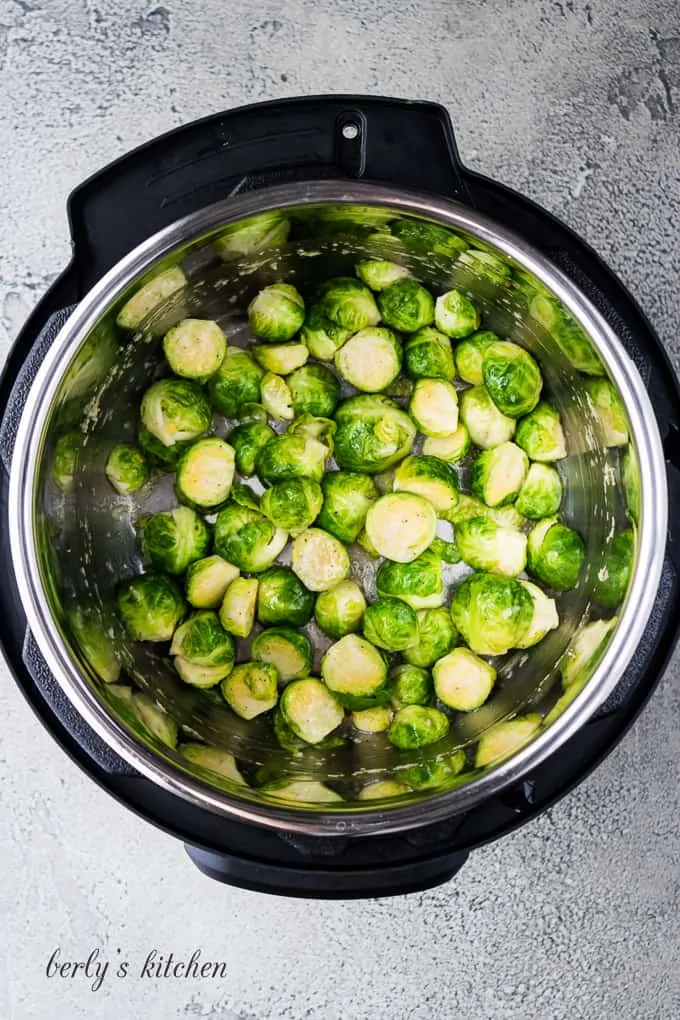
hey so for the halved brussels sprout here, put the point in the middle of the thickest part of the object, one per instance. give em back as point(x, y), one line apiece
point(379, 273)
point(276, 313)
point(202, 639)
point(212, 759)
point(567, 333)
point(339, 610)
point(94, 641)
point(470, 506)
point(247, 441)
point(292, 455)
point(204, 677)
point(455, 315)
point(292, 505)
point(247, 538)
point(487, 426)
point(485, 545)
point(321, 336)
point(428, 355)
point(584, 652)
point(505, 739)
point(65, 460)
point(319, 560)
point(151, 294)
point(283, 599)
point(541, 492)
point(286, 649)
point(420, 582)
point(205, 472)
point(302, 791)
point(630, 481)
point(281, 359)
point(276, 397)
point(370, 360)
point(251, 689)
point(429, 477)
point(314, 390)
point(492, 613)
point(310, 710)
point(434, 407)
point(175, 410)
point(372, 720)
point(470, 353)
point(154, 719)
point(555, 554)
point(463, 681)
point(259, 233)
point(373, 434)
point(348, 303)
point(401, 525)
point(417, 726)
point(540, 434)
point(406, 305)
point(356, 672)
point(449, 448)
point(150, 606)
point(428, 775)
point(609, 410)
point(195, 348)
point(410, 685)
point(173, 539)
point(499, 474)
point(127, 468)
point(512, 378)
point(347, 496)
point(382, 789)
point(436, 636)
point(237, 612)
point(545, 616)
point(613, 578)
point(236, 383)
point(390, 624)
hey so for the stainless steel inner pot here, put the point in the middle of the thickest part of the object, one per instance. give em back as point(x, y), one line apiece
point(70, 549)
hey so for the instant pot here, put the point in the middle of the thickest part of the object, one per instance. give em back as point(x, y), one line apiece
point(297, 190)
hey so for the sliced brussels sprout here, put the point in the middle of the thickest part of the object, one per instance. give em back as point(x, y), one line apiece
point(127, 468)
point(485, 545)
point(201, 639)
point(319, 560)
point(470, 506)
point(339, 610)
point(372, 720)
point(302, 791)
point(555, 554)
point(151, 294)
point(492, 613)
point(247, 538)
point(347, 496)
point(212, 759)
point(348, 303)
point(292, 505)
point(449, 448)
point(260, 233)
point(195, 348)
point(512, 378)
point(281, 359)
point(251, 689)
point(486, 425)
point(276, 313)
point(203, 677)
point(314, 390)
point(292, 455)
point(237, 612)
point(321, 336)
point(94, 642)
point(470, 353)
point(175, 410)
point(65, 460)
point(567, 333)
point(410, 685)
point(310, 709)
point(428, 775)
point(236, 383)
point(505, 739)
point(173, 539)
point(247, 441)
point(204, 474)
point(585, 651)
point(276, 397)
point(499, 474)
point(540, 434)
point(417, 726)
point(283, 599)
point(455, 315)
point(463, 681)
point(382, 789)
point(356, 672)
point(630, 481)
point(150, 606)
point(545, 616)
point(379, 273)
point(428, 355)
point(420, 582)
point(370, 360)
point(401, 525)
point(286, 649)
point(373, 434)
point(406, 305)
point(436, 637)
point(390, 624)
point(612, 580)
point(154, 719)
point(610, 411)
point(310, 427)
point(541, 492)
point(429, 477)
point(434, 407)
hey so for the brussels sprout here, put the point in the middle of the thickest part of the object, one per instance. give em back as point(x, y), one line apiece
point(455, 315)
point(127, 468)
point(446, 550)
point(276, 397)
point(65, 459)
point(545, 616)
point(429, 477)
point(436, 636)
point(613, 578)
point(416, 726)
point(314, 390)
point(157, 452)
point(205, 472)
point(410, 685)
point(378, 273)
point(428, 775)
point(505, 739)
point(428, 355)
point(498, 474)
point(370, 360)
point(292, 505)
point(584, 652)
point(485, 423)
point(485, 545)
point(492, 613)
point(281, 359)
point(310, 710)
point(390, 624)
point(319, 560)
point(237, 611)
point(201, 639)
point(609, 410)
point(428, 238)
point(94, 642)
point(204, 677)
point(449, 448)
point(470, 353)
point(149, 296)
point(175, 410)
point(470, 506)
point(401, 525)
point(303, 791)
point(365, 543)
point(195, 348)
point(512, 378)
point(340, 609)
point(236, 383)
point(247, 538)
point(555, 554)
point(567, 333)
point(286, 649)
point(372, 720)
point(347, 496)
point(212, 759)
point(293, 455)
point(630, 481)
point(251, 689)
point(406, 305)
point(283, 599)
point(173, 539)
point(247, 441)
point(373, 434)
point(259, 233)
point(540, 434)
point(382, 789)
point(276, 313)
point(541, 492)
point(355, 671)
point(321, 336)
point(322, 429)
point(434, 407)
point(150, 606)
point(154, 719)
point(348, 303)
point(243, 495)
point(420, 582)
point(463, 681)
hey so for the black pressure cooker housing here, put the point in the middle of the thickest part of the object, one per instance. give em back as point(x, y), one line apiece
point(378, 140)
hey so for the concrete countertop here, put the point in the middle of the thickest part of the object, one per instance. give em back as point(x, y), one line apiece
point(578, 914)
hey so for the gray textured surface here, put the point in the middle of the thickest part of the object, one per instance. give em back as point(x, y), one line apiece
point(577, 915)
